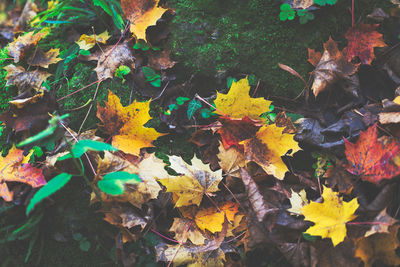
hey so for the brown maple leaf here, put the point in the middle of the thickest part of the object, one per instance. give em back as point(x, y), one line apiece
point(23, 43)
point(362, 40)
point(25, 80)
point(44, 59)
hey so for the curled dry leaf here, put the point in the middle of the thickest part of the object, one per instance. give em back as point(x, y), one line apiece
point(371, 159)
point(361, 42)
point(237, 103)
point(182, 233)
point(25, 80)
point(15, 168)
point(42, 59)
point(379, 246)
point(331, 67)
point(126, 124)
point(142, 14)
point(23, 43)
point(86, 42)
point(386, 221)
point(267, 147)
point(196, 180)
point(330, 217)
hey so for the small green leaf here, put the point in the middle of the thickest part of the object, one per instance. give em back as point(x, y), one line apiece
point(84, 52)
point(37, 151)
point(181, 100)
point(77, 236)
point(309, 237)
point(48, 189)
point(193, 106)
point(156, 83)
point(172, 107)
point(78, 149)
point(206, 113)
point(114, 183)
point(84, 245)
point(121, 71)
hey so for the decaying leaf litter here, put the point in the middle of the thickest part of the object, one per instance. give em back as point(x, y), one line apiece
point(244, 188)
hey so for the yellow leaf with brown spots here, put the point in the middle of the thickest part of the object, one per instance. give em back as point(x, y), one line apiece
point(86, 42)
point(23, 43)
point(212, 219)
point(44, 59)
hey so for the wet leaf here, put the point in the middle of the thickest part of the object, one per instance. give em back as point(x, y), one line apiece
point(42, 59)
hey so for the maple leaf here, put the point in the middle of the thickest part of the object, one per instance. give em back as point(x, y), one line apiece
point(331, 65)
point(23, 43)
point(42, 59)
point(267, 147)
point(126, 124)
point(196, 180)
point(371, 159)
point(142, 14)
point(15, 168)
point(212, 218)
point(86, 42)
point(361, 42)
point(182, 233)
point(298, 201)
point(237, 103)
point(28, 13)
point(25, 80)
point(386, 221)
point(148, 168)
point(379, 246)
point(234, 131)
point(230, 160)
point(330, 217)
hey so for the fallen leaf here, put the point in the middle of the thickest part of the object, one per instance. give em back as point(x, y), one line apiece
point(385, 221)
point(25, 80)
point(380, 246)
point(183, 232)
point(149, 168)
point(303, 4)
point(15, 168)
point(298, 201)
point(28, 13)
point(23, 43)
point(125, 217)
point(336, 175)
point(330, 217)
point(212, 219)
point(160, 60)
point(237, 103)
point(42, 59)
point(314, 57)
point(267, 147)
point(126, 124)
point(231, 160)
point(371, 159)
point(196, 180)
point(86, 42)
point(111, 58)
point(142, 14)
point(361, 42)
point(331, 67)
point(233, 132)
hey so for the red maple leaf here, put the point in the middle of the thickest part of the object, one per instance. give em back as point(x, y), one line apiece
point(372, 159)
point(234, 131)
point(362, 40)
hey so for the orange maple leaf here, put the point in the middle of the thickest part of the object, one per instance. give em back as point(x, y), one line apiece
point(15, 168)
point(371, 159)
point(362, 40)
point(126, 124)
point(142, 14)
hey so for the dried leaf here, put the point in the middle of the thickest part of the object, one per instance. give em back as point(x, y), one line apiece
point(237, 103)
point(23, 43)
point(303, 4)
point(231, 160)
point(142, 14)
point(371, 159)
point(380, 246)
point(235, 131)
point(298, 201)
point(42, 59)
point(182, 233)
point(15, 168)
point(28, 13)
point(212, 219)
point(86, 42)
point(196, 180)
point(361, 42)
point(330, 217)
point(25, 80)
point(160, 60)
point(386, 221)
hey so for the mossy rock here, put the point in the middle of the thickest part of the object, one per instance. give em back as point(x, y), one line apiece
point(247, 37)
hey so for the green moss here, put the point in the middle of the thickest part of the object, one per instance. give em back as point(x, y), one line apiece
point(83, 75)
point(5, 94)
point(210, 37)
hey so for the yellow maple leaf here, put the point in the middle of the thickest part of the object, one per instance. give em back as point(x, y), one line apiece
point(213, 218)
point(238, 104)
point(196, 180)
point(330, 217)
point(126, 124)
point(142, 14)
point(86, 42)
point(267, 147)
